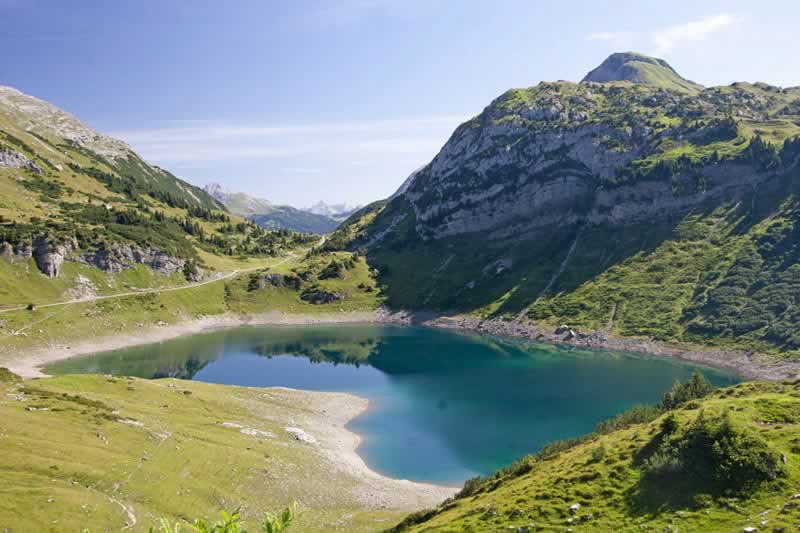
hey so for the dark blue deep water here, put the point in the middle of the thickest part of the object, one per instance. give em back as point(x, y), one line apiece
point(444, 406)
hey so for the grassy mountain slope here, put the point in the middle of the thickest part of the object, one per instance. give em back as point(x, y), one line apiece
point(82, 215)
point(639, 68)
point(629, 209)
point(724, 463)
point(119, 453)
point(298, 284)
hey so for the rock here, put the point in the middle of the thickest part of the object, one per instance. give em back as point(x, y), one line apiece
point(116, 257)
point(319, 297)
point(12, 159)
point(562, 329)
point(574, 507)
point(784, 459)
point(586, 517)
point(300, 435)
point(50, 255)
point(571, 335)
point(6, 252)
point(750, 529)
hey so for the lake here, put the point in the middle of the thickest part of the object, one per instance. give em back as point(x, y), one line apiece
point(444, 406)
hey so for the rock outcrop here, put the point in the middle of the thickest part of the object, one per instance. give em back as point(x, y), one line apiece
point(50, 254)
point(117, 257)
point(12, 159)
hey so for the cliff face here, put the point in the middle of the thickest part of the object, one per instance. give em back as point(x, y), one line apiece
point(586, 153)
point(50, 253)
point(625, 206)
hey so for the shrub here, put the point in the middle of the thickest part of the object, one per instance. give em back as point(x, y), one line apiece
point(694, 389)
point(712, 453)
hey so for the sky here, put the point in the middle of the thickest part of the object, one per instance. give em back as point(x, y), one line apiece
point(340, 100)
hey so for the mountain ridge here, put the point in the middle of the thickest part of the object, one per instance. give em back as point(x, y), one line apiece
point(269, 215)
point(554, 203)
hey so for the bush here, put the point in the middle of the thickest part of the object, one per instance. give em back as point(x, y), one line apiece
point(694, 389)
point(712, 453)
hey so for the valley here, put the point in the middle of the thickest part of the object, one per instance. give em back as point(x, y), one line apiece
point(489, 348)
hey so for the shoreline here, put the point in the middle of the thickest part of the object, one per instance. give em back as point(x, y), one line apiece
point(29, 363)
point(747, 364)
point(331, 412)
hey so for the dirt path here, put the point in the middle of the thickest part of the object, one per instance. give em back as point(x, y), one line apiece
point(219, 277)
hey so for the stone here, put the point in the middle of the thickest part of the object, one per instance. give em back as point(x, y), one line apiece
point(12, 159)
point(574, 507)
point(6, 252)
point(50, 254)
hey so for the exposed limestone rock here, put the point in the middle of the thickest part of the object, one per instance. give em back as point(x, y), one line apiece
point(6, 252)
point(50, 255)
point(17, 160)
point(117, 257)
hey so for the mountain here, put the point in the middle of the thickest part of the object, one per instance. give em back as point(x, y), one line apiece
point(239, 203)
point(622, 210)
point(72, 197)
point(271, 216)
point(639, 68)
point(58, 138)
point(335, 211)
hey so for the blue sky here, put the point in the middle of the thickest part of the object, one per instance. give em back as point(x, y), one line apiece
point(341, 100)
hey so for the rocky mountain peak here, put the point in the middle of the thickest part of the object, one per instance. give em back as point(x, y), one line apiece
point(32, 114)
point(639, 68)
point(216, 191)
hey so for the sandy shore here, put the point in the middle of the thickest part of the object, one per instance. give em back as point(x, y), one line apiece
point(29, 363)
point(324, 417)
point(749, 365)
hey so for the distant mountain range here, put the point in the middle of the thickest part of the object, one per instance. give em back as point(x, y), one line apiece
point(337, 212)
point(319, 218)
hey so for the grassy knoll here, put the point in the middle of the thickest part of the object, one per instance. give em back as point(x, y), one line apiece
point(724, 463)
point(103, 452)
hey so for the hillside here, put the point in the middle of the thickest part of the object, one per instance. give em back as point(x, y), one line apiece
point(728, 462)
point(109, 454)
point(74, 203)
point(270, 216)
point(621, 209)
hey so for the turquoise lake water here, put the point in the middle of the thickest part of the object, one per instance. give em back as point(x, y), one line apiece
point(444, 406)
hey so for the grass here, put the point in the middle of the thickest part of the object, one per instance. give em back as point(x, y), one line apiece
point(62, 325)
point(605, 476)
point(85, 451)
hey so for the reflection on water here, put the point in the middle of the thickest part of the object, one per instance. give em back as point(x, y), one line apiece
point(444, 406)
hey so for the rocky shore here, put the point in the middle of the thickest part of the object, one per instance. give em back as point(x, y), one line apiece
point(749, 365)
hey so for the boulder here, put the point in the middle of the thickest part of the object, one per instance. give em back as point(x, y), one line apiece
point(50, 254)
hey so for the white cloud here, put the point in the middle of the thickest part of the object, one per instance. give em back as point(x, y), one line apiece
point(680, 34)
point(664, 40)
point(196, 141)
